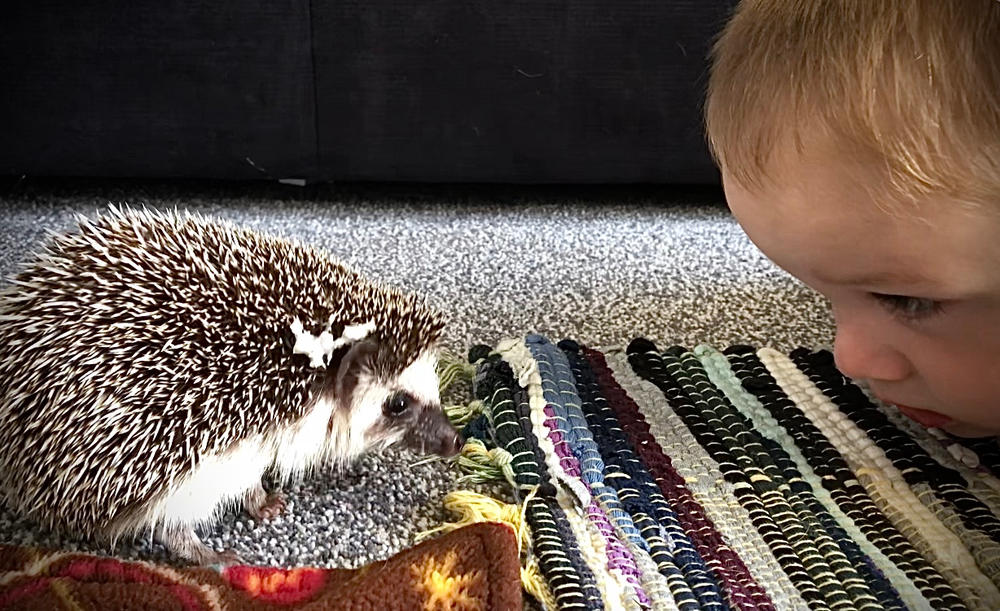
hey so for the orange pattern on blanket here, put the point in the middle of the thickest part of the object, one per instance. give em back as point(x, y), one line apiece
point(281, 586)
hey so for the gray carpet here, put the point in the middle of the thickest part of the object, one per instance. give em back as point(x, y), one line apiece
point(597, 265)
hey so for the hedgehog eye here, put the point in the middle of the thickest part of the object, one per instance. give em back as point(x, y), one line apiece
point(397, 404)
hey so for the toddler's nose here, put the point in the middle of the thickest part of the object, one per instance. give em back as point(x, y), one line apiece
point(862, 354)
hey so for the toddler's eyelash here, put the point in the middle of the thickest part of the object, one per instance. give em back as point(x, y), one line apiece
point(910, 308)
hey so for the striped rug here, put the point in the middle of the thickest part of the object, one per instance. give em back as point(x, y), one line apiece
point(663, 477)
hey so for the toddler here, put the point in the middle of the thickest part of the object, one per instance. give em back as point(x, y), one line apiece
point(859, 145)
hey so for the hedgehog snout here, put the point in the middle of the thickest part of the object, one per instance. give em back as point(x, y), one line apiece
point(433, 433)
point(451, 444)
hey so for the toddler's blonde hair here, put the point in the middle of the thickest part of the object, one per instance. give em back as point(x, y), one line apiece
point(912, 86)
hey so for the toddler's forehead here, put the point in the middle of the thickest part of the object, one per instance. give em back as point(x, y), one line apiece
point(823, 158)
point(820, 219)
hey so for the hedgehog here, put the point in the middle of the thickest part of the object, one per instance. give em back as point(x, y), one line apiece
point(156, 367)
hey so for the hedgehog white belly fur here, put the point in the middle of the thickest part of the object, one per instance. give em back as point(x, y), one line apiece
point(154, 365)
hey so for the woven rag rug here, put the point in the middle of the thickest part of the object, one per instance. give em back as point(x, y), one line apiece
point(470, 569)
point(740, 478)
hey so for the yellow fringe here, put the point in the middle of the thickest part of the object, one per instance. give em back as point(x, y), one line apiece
point(534, 583)
point(473, 507)
point(451, 367)
point(461, 414)
point(482, 465)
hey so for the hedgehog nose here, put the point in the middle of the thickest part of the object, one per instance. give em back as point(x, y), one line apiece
point(451, 444)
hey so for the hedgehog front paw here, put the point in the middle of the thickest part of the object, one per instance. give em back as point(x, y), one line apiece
point(225, 558)
point(183, 542)
point(206, 556)
point(273, 506)
point(263, 506)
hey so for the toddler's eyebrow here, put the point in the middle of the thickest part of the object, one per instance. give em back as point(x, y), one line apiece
point(909, 278)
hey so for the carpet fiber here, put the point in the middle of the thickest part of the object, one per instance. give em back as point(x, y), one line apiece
point(598, 265)
point(675, 478)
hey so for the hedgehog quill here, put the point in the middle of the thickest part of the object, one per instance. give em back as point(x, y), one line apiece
point(154, 366)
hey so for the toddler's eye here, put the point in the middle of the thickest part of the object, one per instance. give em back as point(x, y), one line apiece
point(909, 308)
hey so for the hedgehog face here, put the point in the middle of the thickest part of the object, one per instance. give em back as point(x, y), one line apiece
point(405, 408)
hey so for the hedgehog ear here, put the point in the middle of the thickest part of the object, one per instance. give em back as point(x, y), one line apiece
point(355, 362)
